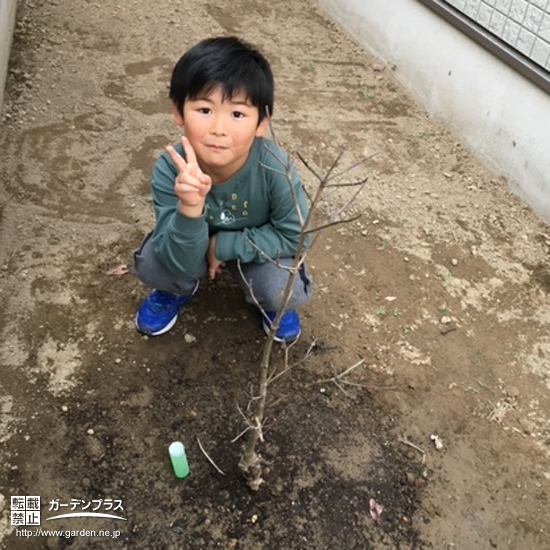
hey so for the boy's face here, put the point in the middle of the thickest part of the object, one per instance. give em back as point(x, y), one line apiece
point(220, 131)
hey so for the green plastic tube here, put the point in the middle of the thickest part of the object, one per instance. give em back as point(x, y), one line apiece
point(178, 458)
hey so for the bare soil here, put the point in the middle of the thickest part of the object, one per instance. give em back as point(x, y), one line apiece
point(441, 289)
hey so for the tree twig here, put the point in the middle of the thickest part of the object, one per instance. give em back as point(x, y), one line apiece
point(250, 462)
point(413, 446)
point(208, 457)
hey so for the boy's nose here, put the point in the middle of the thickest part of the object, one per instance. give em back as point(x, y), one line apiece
point(218, 127)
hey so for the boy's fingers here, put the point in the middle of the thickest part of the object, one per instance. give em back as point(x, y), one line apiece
point(177, 159)
point(204, 179)
point(189, 151)
point(190, 181)
point(183, 189)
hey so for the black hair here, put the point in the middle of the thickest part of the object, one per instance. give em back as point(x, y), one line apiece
point(228, 62)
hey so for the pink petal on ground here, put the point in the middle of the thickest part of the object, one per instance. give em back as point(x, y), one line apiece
point(377, 67)
point(375, 510)
point(118, 271)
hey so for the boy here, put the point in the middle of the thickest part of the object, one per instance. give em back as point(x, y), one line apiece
point(220, 190)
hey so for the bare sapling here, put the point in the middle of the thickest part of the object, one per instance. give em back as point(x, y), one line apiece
point(250, 463)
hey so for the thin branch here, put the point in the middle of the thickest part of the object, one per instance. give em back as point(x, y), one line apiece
point(271, 169)
point(355, 384)
point(352, 167)
point(307, 355)
point(349, 184)
point(338, 377)
point(340, 387)
point(333, 166)
point(271, 129)
point(367, 387)
point(235, 439)
point(348, 370)
point(346, 205)
point(250, 425)
point(258, 428)
point(208, 457)
point(251, 291)
point(287, 174)
point(275, 262)
point(337, 222)
point(323, 180)
point(308, 166)
point(308, 195)
point(413, 446)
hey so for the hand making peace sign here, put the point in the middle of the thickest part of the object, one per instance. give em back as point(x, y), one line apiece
point(192, 184)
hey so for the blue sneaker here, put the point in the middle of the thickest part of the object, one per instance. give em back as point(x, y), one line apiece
point(289, 326)
point(159, 311)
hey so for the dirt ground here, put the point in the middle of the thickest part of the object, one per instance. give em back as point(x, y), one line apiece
point(441, 289)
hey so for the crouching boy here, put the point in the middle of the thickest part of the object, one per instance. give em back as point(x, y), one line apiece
point(221, 189)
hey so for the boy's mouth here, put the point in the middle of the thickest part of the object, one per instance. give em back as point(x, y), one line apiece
point(215, 147)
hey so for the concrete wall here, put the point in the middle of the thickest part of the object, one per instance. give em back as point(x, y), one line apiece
point(7, 22)
point(501, 116)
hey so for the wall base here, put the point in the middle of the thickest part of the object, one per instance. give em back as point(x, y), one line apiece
point(7, 23)
point(500, 115)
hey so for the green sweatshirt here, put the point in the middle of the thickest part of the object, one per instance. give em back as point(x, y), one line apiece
point(255, 205)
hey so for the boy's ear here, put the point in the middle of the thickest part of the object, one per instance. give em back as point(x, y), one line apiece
point(177, 116)
point(260, 130)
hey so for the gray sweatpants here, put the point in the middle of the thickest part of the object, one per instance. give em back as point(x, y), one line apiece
point(266, 280)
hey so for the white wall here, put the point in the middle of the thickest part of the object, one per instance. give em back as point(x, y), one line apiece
point(7, 22)
point(501, 116)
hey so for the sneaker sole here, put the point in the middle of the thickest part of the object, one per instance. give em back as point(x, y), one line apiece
point(164, 329)
point(167, 327)
point(280, 340)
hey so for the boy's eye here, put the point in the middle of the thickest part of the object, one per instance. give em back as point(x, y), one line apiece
point(238, 114)
point(203, 110)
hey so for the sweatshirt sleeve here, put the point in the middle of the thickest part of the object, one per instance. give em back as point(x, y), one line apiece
point(279, 236)
point(179, 242)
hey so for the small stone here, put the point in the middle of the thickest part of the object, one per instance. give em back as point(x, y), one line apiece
point(189, 339)
point(454, 262)
point(438, 444)
point(64, 408)
point(445, 329)
point(90, 431)
point(118, 360)
point(445, 320)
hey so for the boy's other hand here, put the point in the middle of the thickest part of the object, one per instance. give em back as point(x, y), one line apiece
point(214, 265)
point(192, 184)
